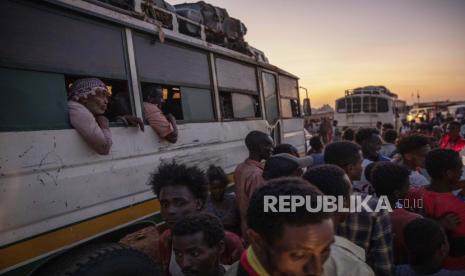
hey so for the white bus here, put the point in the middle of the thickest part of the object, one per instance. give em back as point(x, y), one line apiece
point(365, 106)
point(57, 196)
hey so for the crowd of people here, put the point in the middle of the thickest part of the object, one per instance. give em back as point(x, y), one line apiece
point(214, 229)
point(215, 232)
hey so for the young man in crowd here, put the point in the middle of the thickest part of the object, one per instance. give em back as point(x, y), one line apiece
point(221, 204)
point(392, 180)
point(370, 141)
point(452, 139)
point(316, 150)
point(346, 258)
point(198, 242)
point(427, 247)
point(285, 243)
point(413, 150)
point(285, 164)
point(182, 191)
point(164, 125)
point(388, 148)
point(248, 174)
point(439, 203)
point(369, 230)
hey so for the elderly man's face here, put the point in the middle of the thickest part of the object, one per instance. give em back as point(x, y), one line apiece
point(97, 104)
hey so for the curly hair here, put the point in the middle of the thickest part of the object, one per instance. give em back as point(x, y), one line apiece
point(270, 225)
point(423, 238)
point(172, 174)
point(254, 139)
point(217, 173)
point(209, 225)
point(412, 143)
point(365, 134)
point(387, 177)
point(330, 179)
point(342, 153)
point(390, 136)
point(439, 161)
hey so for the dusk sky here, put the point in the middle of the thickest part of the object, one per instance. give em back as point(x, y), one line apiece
point(405, 45)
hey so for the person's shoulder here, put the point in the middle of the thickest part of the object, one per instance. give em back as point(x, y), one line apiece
point(346, 258)
point(233, 269)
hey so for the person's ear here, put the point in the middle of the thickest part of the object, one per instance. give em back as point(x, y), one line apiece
point(221, 248)
point(198, 204)
point(256, 240)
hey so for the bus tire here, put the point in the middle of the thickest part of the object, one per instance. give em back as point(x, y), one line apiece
point(112, 259)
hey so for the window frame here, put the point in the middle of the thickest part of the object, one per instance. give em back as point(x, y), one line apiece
point(285, 97)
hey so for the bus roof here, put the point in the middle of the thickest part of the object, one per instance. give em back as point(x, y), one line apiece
point(129, 19)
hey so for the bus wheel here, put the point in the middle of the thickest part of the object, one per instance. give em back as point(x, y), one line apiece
point(112, 259)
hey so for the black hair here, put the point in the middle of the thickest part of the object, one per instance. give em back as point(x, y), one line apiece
point(151, 90)
point(209, 225)
point(342, 153)
point(278, 166)
point(368, 171)
point(330, 179)
point(387, 177)
point(455, 123)
point(439, 161)
point(172, 174)
point(269, 225)
point(412, 143)
point(316, 143)
point(217, 173)
point(423, 238)
point(365, 134)
point(388, 126)
point(390, 136)
point(254, 139)
point(348, 134)
point(285, 148)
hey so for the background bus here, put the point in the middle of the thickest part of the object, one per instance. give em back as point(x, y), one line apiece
point(365, 106)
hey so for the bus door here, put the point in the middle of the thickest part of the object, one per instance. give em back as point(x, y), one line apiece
point(270, 95)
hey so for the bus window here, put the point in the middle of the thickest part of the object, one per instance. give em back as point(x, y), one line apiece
point(270, 95)
point(288, 90)
point(356, 104)
point(32, 100)
point(383, 105)
point(237, 83)
point(341, 106)
point(369, 104)
point(185, 103)
point(119, 103)
point(239, 105)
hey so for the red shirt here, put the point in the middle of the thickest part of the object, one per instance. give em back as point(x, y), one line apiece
point(435, 206)
point(232, 251)
point(456, 145)
point(399, 219)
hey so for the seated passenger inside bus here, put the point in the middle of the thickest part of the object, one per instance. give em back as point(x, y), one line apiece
point(163, 124)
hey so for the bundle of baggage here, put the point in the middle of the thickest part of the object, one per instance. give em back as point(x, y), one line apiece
point(220, 28)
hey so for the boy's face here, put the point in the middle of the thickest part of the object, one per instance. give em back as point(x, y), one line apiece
point(301, 250)
point(176, 202)
point(454, 175)
point(217, 189)
point(355, 170)
point(418, 157)
point(194, 256)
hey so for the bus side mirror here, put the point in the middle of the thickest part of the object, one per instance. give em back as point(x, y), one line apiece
point(307, 108)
